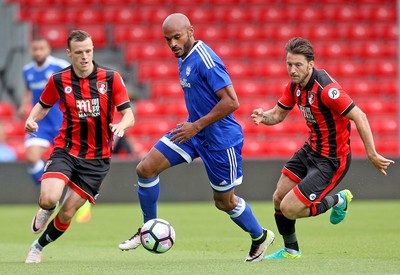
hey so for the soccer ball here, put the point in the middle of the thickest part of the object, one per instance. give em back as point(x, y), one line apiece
point(157, 236)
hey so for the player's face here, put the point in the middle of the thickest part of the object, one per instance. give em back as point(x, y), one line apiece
point(40, 49)
point(81, 54)
point(180, 41)
point(299, 68)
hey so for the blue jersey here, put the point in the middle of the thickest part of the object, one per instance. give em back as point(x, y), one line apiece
point(35, 80)
point(202, 74)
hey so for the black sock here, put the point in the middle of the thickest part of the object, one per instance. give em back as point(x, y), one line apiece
point(52, 233)
point(286, 228)
point(325, 205)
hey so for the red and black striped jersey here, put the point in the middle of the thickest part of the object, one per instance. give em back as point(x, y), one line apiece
point(324, 104)
point(88, 106)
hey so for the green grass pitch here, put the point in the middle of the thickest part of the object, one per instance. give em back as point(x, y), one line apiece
point(207, 242)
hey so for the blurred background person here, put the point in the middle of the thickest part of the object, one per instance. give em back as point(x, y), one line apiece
point(7, 153)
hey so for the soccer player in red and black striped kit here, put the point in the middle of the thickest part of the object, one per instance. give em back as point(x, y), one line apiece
point(323, 161)
point(88, 94)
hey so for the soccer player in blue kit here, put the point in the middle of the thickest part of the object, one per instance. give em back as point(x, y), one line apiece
point(36, 74)
point(210, 133)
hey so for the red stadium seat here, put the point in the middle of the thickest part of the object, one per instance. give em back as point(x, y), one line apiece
point(86, 16)
point(385, 68)
point(232, 15)
point(176, 109)
point(343, 13)
point(148, 108)
point(210, 33)
point(137, 52)
point(166, 90)
point(246, 32)
point(227, 50)
point(98, 33)
point(261, 50)
point(375, 49)
point(156, 71)
point(382, 13)
point(273, 69)
point(199, 15)
point(323, 32)
point(155, 15)
point(246, 89)
point(14, 129)
point(76, 3)
point(49, 16)
point(238, 70)
point(122, 16)
point(274, 15)
point(306, 14)
point(56, 34)
point(7, 110)
point(357, 32)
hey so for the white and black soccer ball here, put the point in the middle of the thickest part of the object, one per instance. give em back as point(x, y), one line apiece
point(157, 235)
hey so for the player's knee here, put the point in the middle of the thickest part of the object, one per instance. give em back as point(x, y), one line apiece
point(145, 171)
point(47, 201)
point(288, 211)
point(224, 205)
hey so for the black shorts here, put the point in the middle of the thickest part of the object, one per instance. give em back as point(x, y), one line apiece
point(316, 175)
point(84, 176)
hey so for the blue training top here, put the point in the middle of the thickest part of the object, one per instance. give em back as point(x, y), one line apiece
point(36, 79)
point(202, 74)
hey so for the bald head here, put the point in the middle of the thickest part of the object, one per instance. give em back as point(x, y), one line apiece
point(178, 32)
point(176, 21)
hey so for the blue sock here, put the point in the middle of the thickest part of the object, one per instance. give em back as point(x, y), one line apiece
point(243, 216)
point(36, 171)
point(149, 191)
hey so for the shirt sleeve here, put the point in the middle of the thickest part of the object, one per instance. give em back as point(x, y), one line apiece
point(217, 76)
point(50, 94)
point(287, 100)
point(119, 92)
point(336, 98)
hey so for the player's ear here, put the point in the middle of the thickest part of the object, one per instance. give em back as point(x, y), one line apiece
point(68, 52)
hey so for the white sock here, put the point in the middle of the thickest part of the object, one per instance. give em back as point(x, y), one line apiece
point(340, 201)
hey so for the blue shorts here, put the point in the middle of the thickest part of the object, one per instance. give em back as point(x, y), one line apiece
point(224, 167)
point(44, 137)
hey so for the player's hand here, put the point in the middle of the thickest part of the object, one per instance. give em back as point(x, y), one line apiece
point(183, 132)
point(31, 126)
point(117, 129)
point(257, 116)
point(381, 163)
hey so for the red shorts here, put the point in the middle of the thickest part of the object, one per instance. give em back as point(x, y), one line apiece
point(316, 175)
point(84, 176)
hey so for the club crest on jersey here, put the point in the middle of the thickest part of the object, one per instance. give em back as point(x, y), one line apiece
point(188, 70)
point(68, 90)
point(298, 92)
point(102, 87)
point(311, 97)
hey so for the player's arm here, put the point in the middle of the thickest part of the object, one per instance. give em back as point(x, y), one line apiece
point(126, 122)
point(25, 101)
point(361, 121)
point(270, 117)
point(38, 112)
point(227, 104)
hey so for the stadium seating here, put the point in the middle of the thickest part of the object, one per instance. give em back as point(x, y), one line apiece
point(355, 41)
